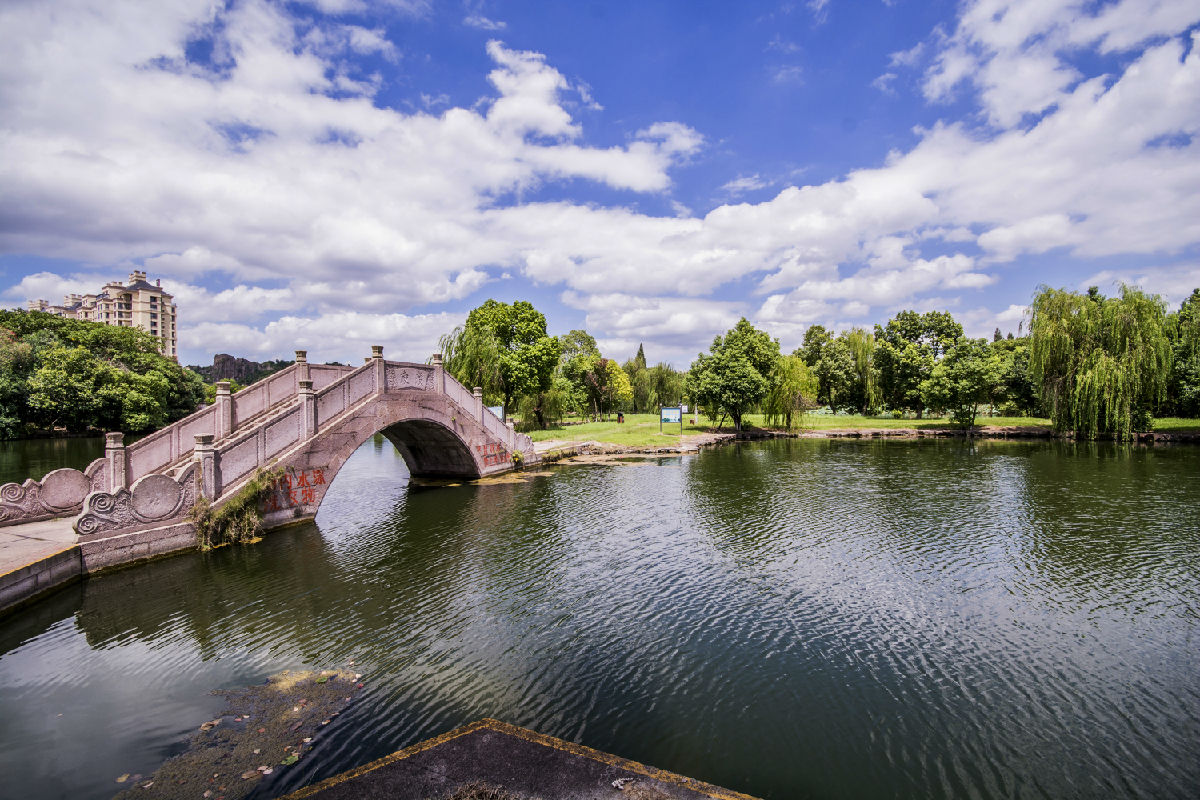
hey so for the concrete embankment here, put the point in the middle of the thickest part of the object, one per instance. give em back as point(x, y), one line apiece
point(35, 559)
point(491, 759)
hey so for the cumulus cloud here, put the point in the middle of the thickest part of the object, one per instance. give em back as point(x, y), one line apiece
point(273, 166)
point(330, 337)
point(1174, 283)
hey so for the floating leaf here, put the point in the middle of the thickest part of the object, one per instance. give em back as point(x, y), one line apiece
point(292, 759)
point(123, 778)
point(323, 679)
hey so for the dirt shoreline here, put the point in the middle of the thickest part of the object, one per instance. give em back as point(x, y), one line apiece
point(559, 450)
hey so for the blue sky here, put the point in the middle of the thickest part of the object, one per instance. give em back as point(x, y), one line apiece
point(333, 174)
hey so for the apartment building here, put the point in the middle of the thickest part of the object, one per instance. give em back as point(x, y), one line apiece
point(136, 304)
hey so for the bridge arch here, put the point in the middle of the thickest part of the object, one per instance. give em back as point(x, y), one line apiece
point(437, 437)
point(306, 421)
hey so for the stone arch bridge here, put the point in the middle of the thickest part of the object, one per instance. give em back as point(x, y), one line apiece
point(307, 420)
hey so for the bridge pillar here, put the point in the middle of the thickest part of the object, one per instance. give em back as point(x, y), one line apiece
point(308, 411)
point(224, 425)
point(302, 372)
point(477, 393)
point(209, 472)
point(439, 374)
point(380, 368)
point(114, 451)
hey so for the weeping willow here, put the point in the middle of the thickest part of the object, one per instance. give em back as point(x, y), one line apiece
point(1102, 363)
point(472, 356)
point(793, 388)
point(862, 350)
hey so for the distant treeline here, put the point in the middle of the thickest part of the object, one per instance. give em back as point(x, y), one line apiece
point(59, 374)
point(1094, 365)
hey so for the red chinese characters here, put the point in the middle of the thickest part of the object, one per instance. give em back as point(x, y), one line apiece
point(294, 489)
point(492, 454)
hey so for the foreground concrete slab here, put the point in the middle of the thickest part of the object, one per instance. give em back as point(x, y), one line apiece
point(522, 762)
point(35, 558)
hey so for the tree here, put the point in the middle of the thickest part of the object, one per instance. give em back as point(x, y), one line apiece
point(1101, 363)
point(640, 381)
point(968, 375)
point(1184, 385)
point(667, 385)
point(576, 343)
point(548, 406)
point(66, 389)
point(908, 347)
point(1016, 394)
point(57, 372)
point(733, 377)
point(503, 349)
point(793, 389)
point(815, 340)
point(607, 385)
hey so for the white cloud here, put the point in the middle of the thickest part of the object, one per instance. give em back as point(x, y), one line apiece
point(52, 287)
point(483, 23)
point(1175, 282)
point(743, 184)
point(787, 74)
point(678, 327)
point(884, 83)
point(277, 167)
point(343, 336)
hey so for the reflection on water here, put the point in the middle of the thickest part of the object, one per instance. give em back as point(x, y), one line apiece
point(33, 458)
point(791, 619)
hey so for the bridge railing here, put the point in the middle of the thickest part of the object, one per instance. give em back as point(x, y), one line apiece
point(221, 466)
point(122, 465)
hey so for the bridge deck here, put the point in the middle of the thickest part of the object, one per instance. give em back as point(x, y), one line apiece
point(22, 545)
point(35, 558)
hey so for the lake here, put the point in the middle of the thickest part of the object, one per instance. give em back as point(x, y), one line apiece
point(795, 618)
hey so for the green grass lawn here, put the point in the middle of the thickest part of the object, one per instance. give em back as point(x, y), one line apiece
point(642, 430)
point(638, 430)
point(822, 422)
point(1177, 425)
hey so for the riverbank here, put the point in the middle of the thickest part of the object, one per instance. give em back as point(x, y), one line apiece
point(554, 450)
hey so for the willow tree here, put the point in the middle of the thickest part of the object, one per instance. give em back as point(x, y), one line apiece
point(794, 388)
point(503, 349)
point(862, 350)
point(1101, 363)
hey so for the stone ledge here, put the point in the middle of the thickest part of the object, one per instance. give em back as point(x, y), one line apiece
point(521, 761)
point(33, 581)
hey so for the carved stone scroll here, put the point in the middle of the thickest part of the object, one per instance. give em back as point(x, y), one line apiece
point(152, 500)
point(60, 493)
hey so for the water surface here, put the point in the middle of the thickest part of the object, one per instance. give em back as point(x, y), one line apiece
point(34, 458)
point(788, 619)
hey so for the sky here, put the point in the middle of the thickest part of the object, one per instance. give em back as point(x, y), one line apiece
point(332, 174)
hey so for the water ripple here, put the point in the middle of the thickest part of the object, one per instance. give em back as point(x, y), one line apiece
point(801, 618)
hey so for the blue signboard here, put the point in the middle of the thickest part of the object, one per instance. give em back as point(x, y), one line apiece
point(670, 414)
